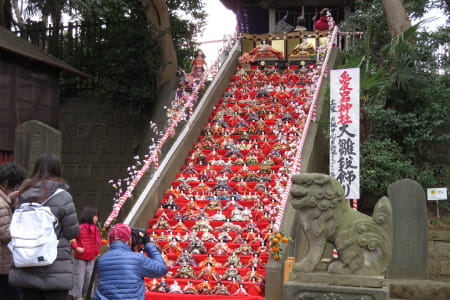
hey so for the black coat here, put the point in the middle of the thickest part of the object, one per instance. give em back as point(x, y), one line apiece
point(59, 275)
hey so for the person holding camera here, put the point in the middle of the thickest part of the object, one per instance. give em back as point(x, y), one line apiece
point(121, 271)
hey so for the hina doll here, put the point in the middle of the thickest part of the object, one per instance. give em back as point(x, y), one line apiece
point(236, 215)
point(231, 273)
point(173, 247)
point(220, 248)
point(208, 237)
point(224, 236)
point(161, 223)
point(202, 225)
point(196, 246)
point(241, 291)
point(170, 203)
point(185, 257)
point(174, 288)
point(180, 226)
point(162, 286)
point(251, 235)
point(210, 260)
point(253, 273)
point(219, 216)
point(204, 288)
point(233, 260)
point(244, 249)
point(238, 239)
point(185, 271)
point(256, 261)
point(198, 64)
point(208, 272)
point(221, 289)
point(189, 288)
point(246, 215)
point(229, 226)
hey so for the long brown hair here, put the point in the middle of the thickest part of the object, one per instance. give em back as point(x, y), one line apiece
point(46, 167)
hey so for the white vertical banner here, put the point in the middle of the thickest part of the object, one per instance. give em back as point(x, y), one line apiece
point(344, 129)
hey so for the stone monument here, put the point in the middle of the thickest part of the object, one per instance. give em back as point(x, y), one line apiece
point(410, 251)
point(34, 138)
point(364, 243)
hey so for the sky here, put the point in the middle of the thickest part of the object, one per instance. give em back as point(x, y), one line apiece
point(220, 21)
point(433, 19)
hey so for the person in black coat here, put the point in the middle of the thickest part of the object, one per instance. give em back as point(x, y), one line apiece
point(54, 281)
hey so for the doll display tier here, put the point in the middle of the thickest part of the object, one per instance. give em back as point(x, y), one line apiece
point(215, 222)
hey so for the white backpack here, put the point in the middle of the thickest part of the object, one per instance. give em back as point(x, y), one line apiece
point(33, 238)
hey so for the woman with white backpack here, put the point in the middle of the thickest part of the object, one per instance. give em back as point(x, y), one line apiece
point(51, 282)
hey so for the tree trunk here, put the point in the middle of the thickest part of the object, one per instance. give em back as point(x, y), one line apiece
point(55, 15)
point(18, 14)
point(396, 16)
point(157, 14)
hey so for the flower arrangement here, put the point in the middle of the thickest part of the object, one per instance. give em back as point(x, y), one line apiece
point(275, 247)
point(246, 59)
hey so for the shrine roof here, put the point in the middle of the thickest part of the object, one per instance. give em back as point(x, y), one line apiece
point(11, 43)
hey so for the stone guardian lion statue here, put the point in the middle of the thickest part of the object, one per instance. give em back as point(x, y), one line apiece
point(364, 243)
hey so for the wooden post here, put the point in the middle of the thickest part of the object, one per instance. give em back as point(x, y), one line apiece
point(272, 20)
point(288, 265)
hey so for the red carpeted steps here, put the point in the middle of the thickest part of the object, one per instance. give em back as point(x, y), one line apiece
point(215, 221)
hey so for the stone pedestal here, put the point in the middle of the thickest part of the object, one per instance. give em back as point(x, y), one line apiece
point(324, 286)
point(34, 138)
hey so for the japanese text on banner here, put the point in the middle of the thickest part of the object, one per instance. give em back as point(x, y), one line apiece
point(344, 129)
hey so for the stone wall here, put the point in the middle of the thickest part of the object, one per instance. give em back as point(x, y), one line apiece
point(439, 254)
point(99, 143)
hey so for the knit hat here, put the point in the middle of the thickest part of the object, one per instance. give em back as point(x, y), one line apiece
point(119, 232)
